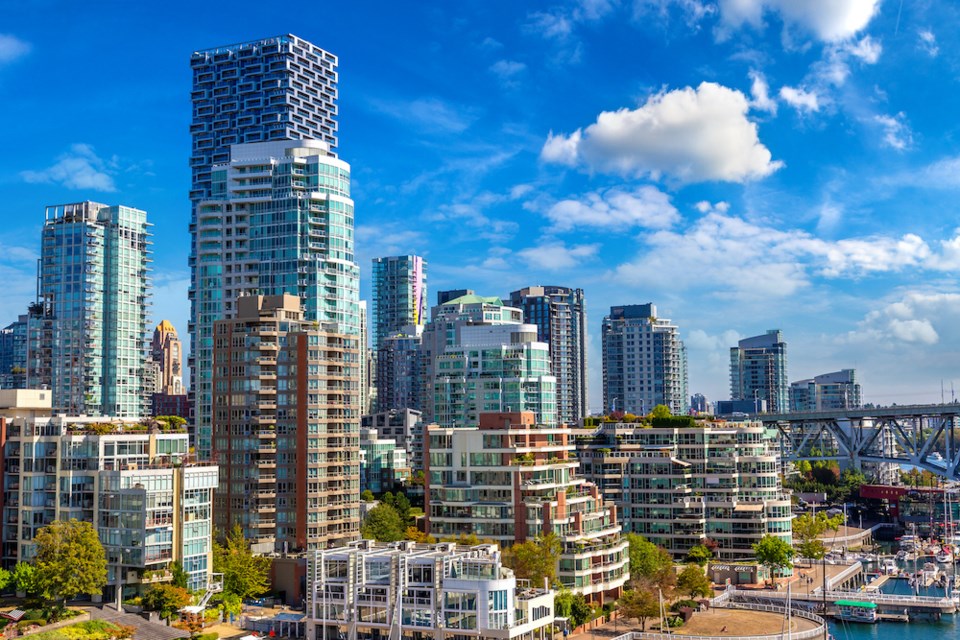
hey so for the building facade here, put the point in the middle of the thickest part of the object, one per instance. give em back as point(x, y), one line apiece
point(404, 427)
point(680, 486)
point(560, 316)
point(758, 371)
point(280, 221)
point(511, 480)
point(267, 217)
point(286, 427)
point(371, 591)
point(135, 482)
point(826, 392)
point(399, 369)
point(644, 362)
point(383, 463)
point(13, 354)
point(88, 325)
point(399, 295)
point(167, 352)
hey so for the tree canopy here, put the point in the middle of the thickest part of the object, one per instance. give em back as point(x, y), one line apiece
point(773, 553)
point(70, 560)
point(384, 524)
point(699, 554)
point(807, 530)
point(693, 582)
point(639, 603)
point(25, 579)
point(535, 560)
point(650, 562)
point(244, 574)
point(573, 606)
point(167, 599)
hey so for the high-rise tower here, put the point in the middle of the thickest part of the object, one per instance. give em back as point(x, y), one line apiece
point(166, 352)
point(758, 371)
point(272, 212)
point(561, 319)
point(87, 329)
point(644, 362)
point(399, 295)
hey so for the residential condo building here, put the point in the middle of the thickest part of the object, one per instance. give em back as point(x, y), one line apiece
point(86, 331)
point(271, 207)
point(286, 427)
point(510, 480)
point(399, 295)
point(13, 354)
point(560, 316)
point(399, 370)
point(644, 362)
point(371, 591)
point(758, 371)
point(136, 482)
point(826, 392)
point(681, 485)
point(167, 352)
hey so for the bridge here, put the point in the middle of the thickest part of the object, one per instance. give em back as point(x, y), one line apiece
point(925, 436)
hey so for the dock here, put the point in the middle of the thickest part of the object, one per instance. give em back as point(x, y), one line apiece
point(893, 617)
point(913, 607)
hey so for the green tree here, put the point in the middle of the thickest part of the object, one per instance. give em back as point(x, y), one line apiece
point(693, 582)
point(244, 574)
point(803, 467)
point(699, 554)
point(573, 606)
point(6, 579)
point(179, 575)
point(807, 530)
point(535, 560)
point(229, 603)
point(367, 496)
point(384, 524)
point(166, 599)
point(651, 562)
point(70, 561)
point(641, 604)
point(661, 411)
point(25, 579)
point(773, 553)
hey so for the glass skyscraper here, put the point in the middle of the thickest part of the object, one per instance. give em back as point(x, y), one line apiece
point(399, 295)
point(758, 371)
point(271, 208)
point(87, 330)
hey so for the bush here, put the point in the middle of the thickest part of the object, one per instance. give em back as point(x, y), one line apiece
point(676, 606)
point(208, 636)
point(90, 630)
point(31, 622)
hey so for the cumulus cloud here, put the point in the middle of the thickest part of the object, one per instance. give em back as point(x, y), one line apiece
point(866, 49)
point(555, 256)
point(507, 70)
point(800, 99)
point(689, 135)
point(705, 206)
point(896, 131)
point(725, 252)
point(760, 92)
point(79, 168)
point(918, 318)
point(927, 42)
point(828, 20)
point(644, 206)
point(12, 48)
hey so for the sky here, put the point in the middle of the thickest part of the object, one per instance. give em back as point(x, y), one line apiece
point(745, 165)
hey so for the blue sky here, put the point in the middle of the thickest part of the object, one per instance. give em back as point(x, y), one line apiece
point(743, 164)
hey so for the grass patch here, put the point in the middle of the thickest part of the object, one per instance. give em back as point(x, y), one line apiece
point(89, 630)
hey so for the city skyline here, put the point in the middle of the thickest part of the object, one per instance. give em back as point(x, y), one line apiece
point(828, 214)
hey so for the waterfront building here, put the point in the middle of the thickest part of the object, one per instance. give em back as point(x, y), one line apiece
point(383, 464)
point(644, 362)
point(758, 370)
point(683, 484)
point(827, 392)
point(286, 427)
point(399, 295)
point(560, 316)
point(370, 590)
point(509, 480)
point(271, 208)
point(133, 479)
point(88, 325)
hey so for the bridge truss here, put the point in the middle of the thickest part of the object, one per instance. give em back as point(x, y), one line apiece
point(925, 436)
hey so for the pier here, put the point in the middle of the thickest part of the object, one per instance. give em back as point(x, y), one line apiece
point(915, 607)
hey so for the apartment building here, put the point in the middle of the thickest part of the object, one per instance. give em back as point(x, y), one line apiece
point(133, 479)
point(510, 480)
point(371, 591)
point(679, 486)
point(286, 427)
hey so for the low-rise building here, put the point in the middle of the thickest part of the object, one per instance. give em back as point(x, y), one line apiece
point(368, 590)
point(383, 464)
point(133, 479)
point(681, 485)
point(511, 480)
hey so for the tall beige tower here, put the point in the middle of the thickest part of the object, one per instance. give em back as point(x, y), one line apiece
point(167, 352)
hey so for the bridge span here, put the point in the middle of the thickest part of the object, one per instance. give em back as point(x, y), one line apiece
point(925, 436)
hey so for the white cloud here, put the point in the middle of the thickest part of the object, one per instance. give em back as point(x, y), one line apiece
point(12, 48)
point(828, 20)
point(429, 115)
point(555, 256)
point(692, 11)
point(800, 99)
point(927, 42)
point(690, 135)
point(592, 10)
point(705, 206)
point(79, 168)
point(942, 174)
point(471, 214)
point(917, 318)
point(866, 49)
point(760, 91)
point(506, 69)
point(551, 26)
point(645, 206)
point(896, 131)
